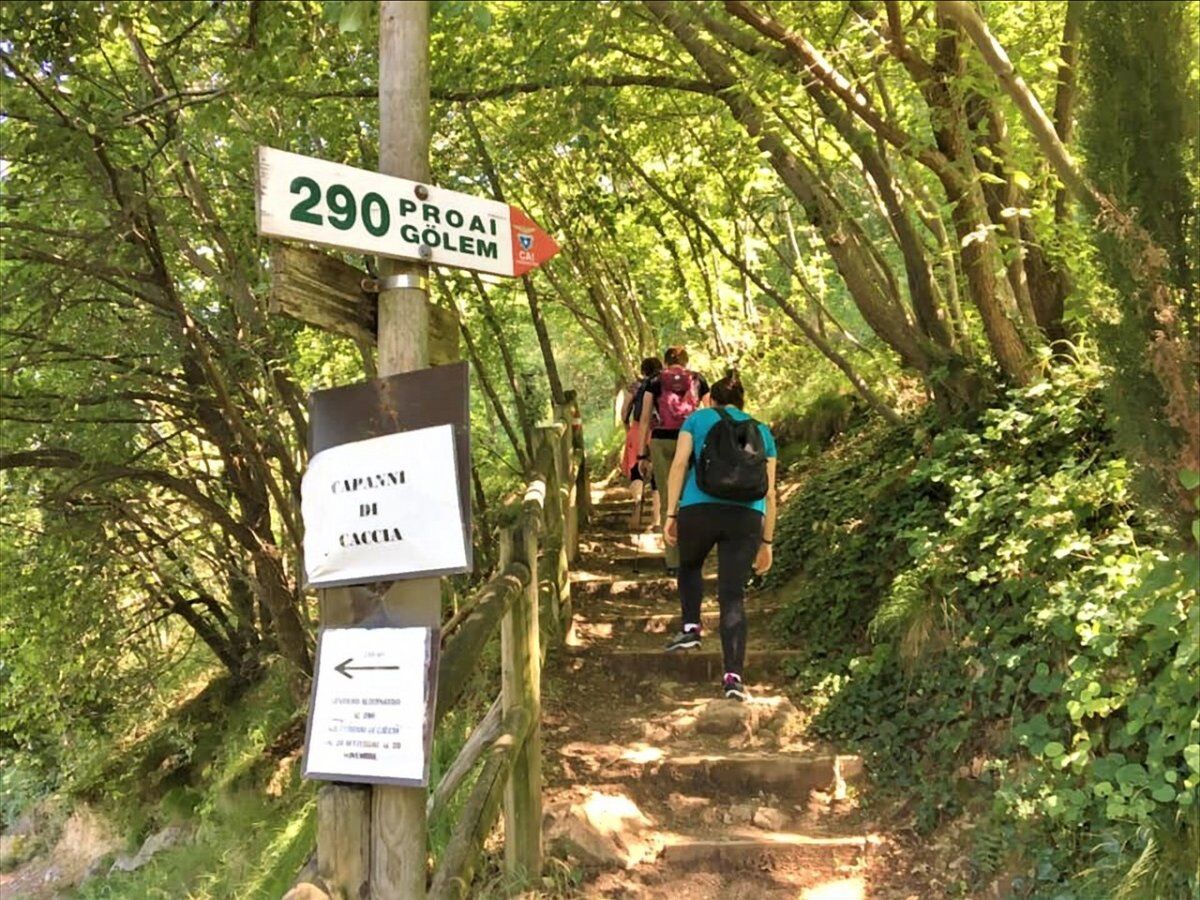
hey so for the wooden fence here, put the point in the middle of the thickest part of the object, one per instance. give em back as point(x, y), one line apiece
point(528, 600)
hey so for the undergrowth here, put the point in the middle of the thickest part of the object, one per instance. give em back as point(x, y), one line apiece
point(225, 768)
point(1005, 634)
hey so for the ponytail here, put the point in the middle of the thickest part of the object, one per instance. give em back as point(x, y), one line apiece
point(729, 391)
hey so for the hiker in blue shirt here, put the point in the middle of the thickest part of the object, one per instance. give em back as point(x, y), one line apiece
point(721, 492)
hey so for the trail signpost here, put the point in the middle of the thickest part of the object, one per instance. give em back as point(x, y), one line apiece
point(323, 202)
point(371, 835)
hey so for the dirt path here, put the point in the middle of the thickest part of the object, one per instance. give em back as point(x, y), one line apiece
point(658, 787)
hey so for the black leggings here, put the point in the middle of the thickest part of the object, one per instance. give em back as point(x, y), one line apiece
point(737, 532)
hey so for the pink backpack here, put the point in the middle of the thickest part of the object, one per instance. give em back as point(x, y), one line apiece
point(678, 397)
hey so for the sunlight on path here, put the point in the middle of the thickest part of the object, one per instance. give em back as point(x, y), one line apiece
point(845, 889)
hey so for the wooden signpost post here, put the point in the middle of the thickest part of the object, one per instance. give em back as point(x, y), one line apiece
point(371, 838)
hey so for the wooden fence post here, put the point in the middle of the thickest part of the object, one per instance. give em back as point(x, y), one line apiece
point(521, 688)
point(570, 496)
point(553, 515)
point(583, 487)
point(563, 525)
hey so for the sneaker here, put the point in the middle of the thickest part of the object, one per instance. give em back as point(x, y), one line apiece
point(734, 689)
point(685, 640)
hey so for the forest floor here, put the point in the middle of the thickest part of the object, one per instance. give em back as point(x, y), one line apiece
point(658, 787)
point(205, 802)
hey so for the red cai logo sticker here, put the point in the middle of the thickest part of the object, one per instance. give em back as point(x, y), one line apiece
point(530, 245)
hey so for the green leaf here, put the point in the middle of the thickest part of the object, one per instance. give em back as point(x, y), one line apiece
point(1190, 479)
point(1164, 793)
point(1053, 750)
point(1191, 756)
point(354, 15)
point(482, 16)
point(1132, 775)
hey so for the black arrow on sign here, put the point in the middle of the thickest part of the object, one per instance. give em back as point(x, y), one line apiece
point(345, 668)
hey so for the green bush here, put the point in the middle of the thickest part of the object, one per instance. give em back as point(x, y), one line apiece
point(828, 416)
point(995, 596)
point(840, 536)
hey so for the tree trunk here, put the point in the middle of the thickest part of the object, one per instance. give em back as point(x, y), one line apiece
point(531, 294)
point(843, 246)
point(980, 256)
point(916, 264)
point(1171, 359)
point(510, 366)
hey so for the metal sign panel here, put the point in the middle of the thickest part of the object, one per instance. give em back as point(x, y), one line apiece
point(322, 202)
point(377, 509)
point(372, 705)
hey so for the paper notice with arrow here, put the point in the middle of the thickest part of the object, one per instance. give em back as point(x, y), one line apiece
point(371, 706)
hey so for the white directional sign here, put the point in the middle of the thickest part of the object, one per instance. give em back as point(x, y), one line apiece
point(383, 508)
point(371, 706)
point(328, 203)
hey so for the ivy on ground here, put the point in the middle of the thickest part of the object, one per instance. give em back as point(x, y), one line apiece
point(1004, 631)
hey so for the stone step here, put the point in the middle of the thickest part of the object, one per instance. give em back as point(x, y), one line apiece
point(595, 584)
point(747, 849)
point(614, 505)
point(618, 519)
point(618, 509)
point(625, 621)
point(620, 632)
point(629, 540)
point(791, 776)
point(624, 564)
point(615, 494)
point(621, 551)
point(629, 557)
point(620, 522)
point(692, 665)
point(618, 527)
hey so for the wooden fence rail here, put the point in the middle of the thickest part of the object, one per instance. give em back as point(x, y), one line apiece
point(528, 601)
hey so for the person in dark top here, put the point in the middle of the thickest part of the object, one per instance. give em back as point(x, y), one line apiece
point(671, 396)
point(631, 416)
point(741, 530)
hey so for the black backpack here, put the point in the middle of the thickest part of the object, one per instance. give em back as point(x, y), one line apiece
point(635, 408)
point(733, 460)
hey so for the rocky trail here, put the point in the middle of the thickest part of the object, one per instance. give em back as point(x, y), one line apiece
point(656, 786)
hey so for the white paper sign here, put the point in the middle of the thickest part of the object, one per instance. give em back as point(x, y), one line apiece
point(369, 708)
point(383, 508)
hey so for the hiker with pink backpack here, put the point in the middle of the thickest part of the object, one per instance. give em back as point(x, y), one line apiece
point(670, 397)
